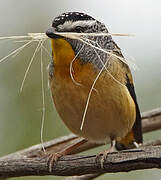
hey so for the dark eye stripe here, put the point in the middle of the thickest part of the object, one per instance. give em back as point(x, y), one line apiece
point(79, 29)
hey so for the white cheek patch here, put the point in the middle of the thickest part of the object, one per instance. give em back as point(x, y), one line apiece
point(68, 25)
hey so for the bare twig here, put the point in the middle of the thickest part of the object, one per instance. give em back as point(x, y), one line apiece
point(92, 176)
point(124, 161)
point(151, 120)
point(32, 161)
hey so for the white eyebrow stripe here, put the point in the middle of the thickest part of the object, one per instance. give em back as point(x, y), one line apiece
point(72, 24)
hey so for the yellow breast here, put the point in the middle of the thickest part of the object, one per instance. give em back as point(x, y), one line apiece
point(111, 110)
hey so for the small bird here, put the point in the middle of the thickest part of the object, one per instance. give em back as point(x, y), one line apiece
point(91, 84)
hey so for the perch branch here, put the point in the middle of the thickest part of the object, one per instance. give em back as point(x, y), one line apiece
point(71, 165)
point(92, 176)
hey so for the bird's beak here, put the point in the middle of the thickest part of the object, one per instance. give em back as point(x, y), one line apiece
point(51, 33)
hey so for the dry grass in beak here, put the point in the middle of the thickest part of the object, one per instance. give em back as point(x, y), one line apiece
point(39, 38)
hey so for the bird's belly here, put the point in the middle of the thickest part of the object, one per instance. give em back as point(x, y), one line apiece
point(110, 113)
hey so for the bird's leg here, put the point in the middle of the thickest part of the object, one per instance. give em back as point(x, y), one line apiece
point(53, 157)
point(105, 153)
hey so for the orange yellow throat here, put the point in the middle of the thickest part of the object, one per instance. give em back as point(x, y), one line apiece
point(63, 56)
point(62, 52)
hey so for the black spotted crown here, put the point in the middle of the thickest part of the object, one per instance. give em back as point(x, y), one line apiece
point(71, 16)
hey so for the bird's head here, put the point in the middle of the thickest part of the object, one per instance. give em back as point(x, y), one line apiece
point(83, 46)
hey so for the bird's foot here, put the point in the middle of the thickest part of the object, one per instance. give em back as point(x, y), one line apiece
point(53, 158)
point(103, 155)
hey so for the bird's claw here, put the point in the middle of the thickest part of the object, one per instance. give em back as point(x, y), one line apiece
point(102, 157)
point(52, 159)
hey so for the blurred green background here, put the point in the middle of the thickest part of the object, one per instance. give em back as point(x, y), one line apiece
point(20, 113)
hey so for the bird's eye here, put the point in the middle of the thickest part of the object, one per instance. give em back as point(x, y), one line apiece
point(79, 29)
